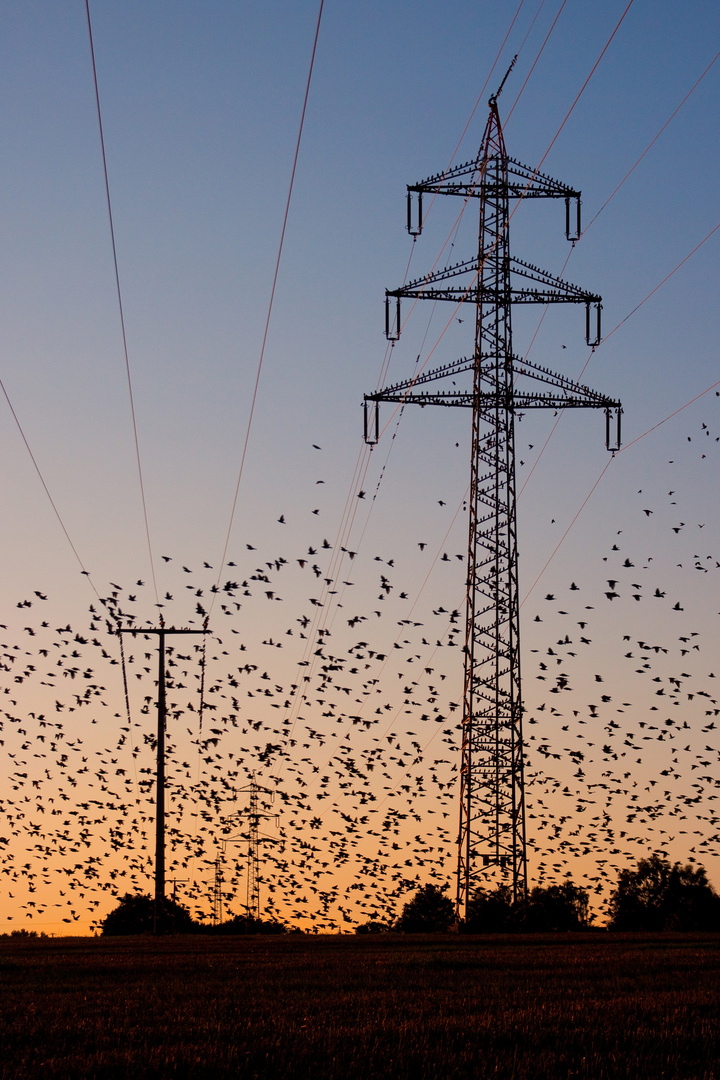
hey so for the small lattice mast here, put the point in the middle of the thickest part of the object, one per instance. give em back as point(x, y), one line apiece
point(491, 837)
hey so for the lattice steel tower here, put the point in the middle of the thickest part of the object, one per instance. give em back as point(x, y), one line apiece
point(253, 815)
point(491, 839)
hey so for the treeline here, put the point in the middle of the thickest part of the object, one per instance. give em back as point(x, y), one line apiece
point(657, 895)
point(137, 914)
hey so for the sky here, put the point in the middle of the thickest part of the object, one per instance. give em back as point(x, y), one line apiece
point(201, 107)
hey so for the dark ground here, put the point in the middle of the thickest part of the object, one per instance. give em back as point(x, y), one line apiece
point(591, 1006)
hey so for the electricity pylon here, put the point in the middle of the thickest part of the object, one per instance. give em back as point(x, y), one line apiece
point(491, 838)
point(217, 894)
point(253, 815)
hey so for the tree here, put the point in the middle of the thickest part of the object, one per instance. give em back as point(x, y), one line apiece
point(490, 912)
point(24, 934)
point(556, 908)
point(549, 909)
point(248, 924)
point(429, 912)
point(373, 926)
point(658, 895)
point(135, 914)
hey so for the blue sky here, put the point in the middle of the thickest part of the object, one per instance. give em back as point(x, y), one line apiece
point(201, 107)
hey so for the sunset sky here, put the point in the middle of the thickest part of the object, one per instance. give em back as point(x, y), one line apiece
point(201, 106)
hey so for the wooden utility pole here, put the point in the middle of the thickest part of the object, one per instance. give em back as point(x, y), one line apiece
point(161, 632)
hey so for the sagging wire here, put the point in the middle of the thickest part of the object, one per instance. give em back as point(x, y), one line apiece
point(271, 301)
point(85, 572)
point(127, 710)
point(120, 305)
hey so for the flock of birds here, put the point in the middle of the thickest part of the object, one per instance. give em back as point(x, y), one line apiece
point(345, 713)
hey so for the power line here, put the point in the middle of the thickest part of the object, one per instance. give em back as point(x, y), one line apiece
point(321, 616)
point(47, 490)
point(582, 89)
point(120, 303)
point(535, 61)
point(363, 461)
point(653, 141)
point(272, 294)
point(584, 231)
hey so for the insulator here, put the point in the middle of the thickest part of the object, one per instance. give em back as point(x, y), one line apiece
point(592, 341)
point(392, 334)
point(570, 232)
point(371, 437)
point(414, 228)
point(612, 444)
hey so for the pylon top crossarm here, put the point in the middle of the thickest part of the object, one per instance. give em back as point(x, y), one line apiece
point(520, 401)
point(523, 182)
point(158, 630)
point(478, 179)
point(242, 838)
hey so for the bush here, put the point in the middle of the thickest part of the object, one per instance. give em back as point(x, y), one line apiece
point(135, 914)
point(242, 924)
point(373, 926)
point(547, 909)
point(23, 933)
point(429, 912)
point(556, 908)
point(490, 912)
point(658, 895)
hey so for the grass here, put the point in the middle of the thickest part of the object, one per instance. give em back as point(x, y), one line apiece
point(589, 1006)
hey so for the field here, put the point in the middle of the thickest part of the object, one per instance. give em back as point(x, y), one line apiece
point(590, 1006)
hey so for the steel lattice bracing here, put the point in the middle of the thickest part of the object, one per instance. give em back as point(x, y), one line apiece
point(492, 800)
point(491, 838)
point(253, 815)
point(217, 894)
point(253, 855)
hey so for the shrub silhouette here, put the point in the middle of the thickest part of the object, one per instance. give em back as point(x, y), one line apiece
point(556, 908)
point(135, 914)
point(373, 926)
point(244, 924)
point(547, 908)
point(429, 911)
point(490, 911)
point(658, 895)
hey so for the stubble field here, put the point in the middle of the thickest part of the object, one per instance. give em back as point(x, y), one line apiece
point(589, 1006)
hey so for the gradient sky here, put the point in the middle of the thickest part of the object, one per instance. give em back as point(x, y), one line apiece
point(201, 106)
